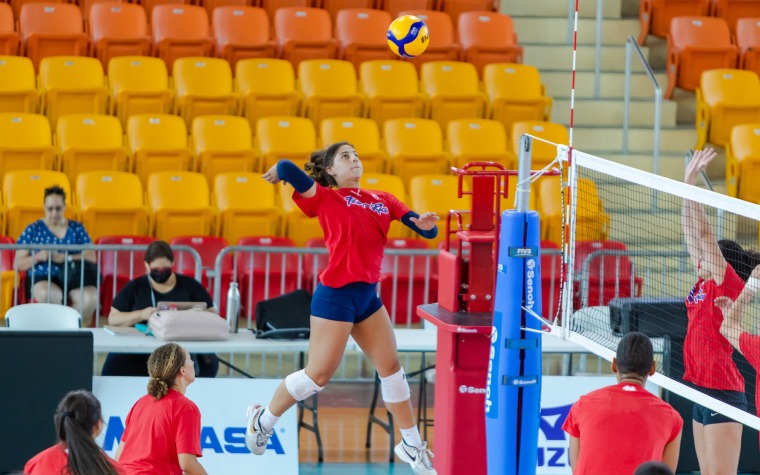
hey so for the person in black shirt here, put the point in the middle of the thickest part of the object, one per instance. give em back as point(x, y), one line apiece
point(136, 302)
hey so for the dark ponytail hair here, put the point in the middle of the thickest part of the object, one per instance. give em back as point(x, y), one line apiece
point(741, 260)
point(75, 419)
point(320, 161)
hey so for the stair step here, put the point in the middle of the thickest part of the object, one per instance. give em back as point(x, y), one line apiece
point(557, 8)
point(600, 140)
point(559, 57)
point(557, 30)
point(609, 112)
point(612, 84)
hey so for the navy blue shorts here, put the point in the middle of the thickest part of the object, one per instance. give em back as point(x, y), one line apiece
point(354, 302)
point(707, 416)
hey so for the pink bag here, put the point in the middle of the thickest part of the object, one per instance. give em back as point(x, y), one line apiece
point(198, 325)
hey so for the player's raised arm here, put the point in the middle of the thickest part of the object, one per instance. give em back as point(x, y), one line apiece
point(287, 171)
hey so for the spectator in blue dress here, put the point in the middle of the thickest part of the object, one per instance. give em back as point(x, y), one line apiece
point(54, 228)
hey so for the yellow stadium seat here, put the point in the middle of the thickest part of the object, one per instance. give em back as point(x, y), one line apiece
point(138, 85)
point(222, 143)
point(415, 147)
point(298, 227)
point(71, 85)
point(293, 138)
point(743, 162)
point(478, 140)
point(157, 143)
point(453, 91)
point(330, 89)
point(268, 88)
point(515, 93)
point(23, 194)
point(725, 98)
point(25, 143)
point(363, 134)
point(542, 153)
point(392, 89)
point(89, 142)
point(591, 222)
point(111, 204)
point(18, 86)
point(438, 193)
point(393, 185)
point(180, 204)
point(238, 214)
point(203, 86)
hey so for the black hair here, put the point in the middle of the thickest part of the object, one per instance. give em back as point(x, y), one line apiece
point(75, 419)
point(55, 190)
point(320, 161)
point(653, 468)
point(635, 354)
point(737, 257)
point(157, 250)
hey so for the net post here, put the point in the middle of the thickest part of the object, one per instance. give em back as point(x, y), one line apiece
point(523, 173)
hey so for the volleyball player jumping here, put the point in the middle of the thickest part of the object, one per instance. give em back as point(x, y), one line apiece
point(355, 222)
point(721, 271)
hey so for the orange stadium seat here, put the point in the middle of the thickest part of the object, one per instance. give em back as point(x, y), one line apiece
point(397, 7)
point(655, 15)
point(157, 142)
point(271, 6)
point(25, 142)
point(86, 7)
point(455, 8)
point(453, 91)
point(392, 89)
point(18, 86)
point(361, 34)
point(591, 222)
point(266, 275)
point(733, 10)
point(333, 7)
point(118, 29)
point(180, 203)
point(111, 203)
point(241, 216)
point(292, 138)
point(298, 227)
point(241, 32)
point(22, 193)
point(17, 4)
point(71, 85)
point(725, 98)
point(150, 5)
point(51, 29)
point(9, 40)
point(543, 153)
point(203, 86)
point(222, 143)
point(515, 93)
point(304, 33)
point(478, 140)
point(138, 85)
point(363, 134)
point(443, 45)
point(268, 88)
point(180, 31)
point(408, 155)
point(119, 267)
point(697, 44)
point(212, 5)
point(488, 37)
point(748, 41)
point(329, 89)
point(89, 142)
point(438, 193)
point(395, 186)
point(743, 162)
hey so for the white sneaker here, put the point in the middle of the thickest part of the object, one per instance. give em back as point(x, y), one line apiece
point(256, 437)
point(420, 459)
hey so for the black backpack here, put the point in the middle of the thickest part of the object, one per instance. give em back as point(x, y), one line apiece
point(285, 317)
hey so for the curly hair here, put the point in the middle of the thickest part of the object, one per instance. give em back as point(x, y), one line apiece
point(320, 161)
point(164, 365)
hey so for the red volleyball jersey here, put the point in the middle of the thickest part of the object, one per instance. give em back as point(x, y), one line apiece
point(356, 223)
point(707, 353)
point(54, 461)
point(749, 345)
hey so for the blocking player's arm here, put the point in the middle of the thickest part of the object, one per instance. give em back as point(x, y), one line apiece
point(732, 326)
point(575, 449)
point(671, 452)
point(287, 171)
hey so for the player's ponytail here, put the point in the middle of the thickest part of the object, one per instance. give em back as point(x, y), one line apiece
point(76, 419)
point(164, 365)
point(320, 161)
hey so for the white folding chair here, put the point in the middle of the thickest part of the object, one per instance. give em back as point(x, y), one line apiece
point(42, 316)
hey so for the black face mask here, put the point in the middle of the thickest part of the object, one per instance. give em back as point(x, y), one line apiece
point(160, 276)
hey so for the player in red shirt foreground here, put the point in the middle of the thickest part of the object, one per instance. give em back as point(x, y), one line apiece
point(355, 222)
point(615, 429)
point(78, 421)
point(163, 428)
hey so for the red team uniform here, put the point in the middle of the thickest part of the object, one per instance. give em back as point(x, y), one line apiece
point(54, 461)
point(597, 418)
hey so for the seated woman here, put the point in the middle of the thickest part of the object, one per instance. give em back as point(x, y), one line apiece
point(54, 228)
point(137, 301)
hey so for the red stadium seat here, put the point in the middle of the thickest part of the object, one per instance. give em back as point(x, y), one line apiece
point(313, 264)
point(119, 267)
point(410, 273)
point(262, 275)
point(551, 264)
point(655, 15)
point(7, 273)
point(609, 275)
point(209, 248)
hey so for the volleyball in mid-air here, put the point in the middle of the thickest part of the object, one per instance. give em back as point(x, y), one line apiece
point(408, 36)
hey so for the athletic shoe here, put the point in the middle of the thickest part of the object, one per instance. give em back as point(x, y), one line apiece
point(419, 459)
point(256, 437)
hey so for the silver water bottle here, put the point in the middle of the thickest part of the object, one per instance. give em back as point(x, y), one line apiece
point(233, 307)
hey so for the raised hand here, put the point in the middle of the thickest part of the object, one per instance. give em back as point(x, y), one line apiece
point(698, 162)
point(426, 221)
point(271, 175)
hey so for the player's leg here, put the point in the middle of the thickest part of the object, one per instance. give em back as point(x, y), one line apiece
point(721, 448)
point(699, 439)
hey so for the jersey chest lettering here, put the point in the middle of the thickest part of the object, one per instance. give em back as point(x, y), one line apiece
point(378, 207)
point(696, 295)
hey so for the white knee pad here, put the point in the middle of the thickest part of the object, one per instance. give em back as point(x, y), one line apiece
point(395, 387)
point(301, 386)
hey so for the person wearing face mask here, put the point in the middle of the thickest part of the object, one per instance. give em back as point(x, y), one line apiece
point(136, 302)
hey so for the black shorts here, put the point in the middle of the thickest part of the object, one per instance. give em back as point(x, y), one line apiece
point(72, 281)
point(706, 416)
